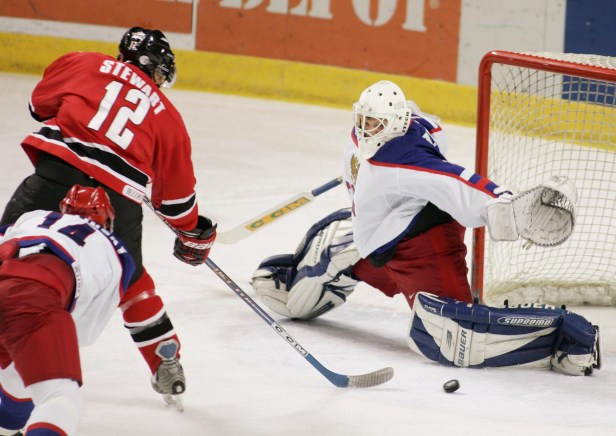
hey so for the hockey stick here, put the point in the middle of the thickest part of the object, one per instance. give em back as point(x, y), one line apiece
point(256, 223)
point(340, 380)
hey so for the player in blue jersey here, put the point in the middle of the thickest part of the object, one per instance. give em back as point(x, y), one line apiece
point(62, 276)
point(404, 233)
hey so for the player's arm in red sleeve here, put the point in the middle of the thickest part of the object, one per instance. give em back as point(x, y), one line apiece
point(47, 96)
point(173, 184)
point(174, 197)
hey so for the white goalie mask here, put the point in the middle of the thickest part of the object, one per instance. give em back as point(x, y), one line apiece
point(380, 115)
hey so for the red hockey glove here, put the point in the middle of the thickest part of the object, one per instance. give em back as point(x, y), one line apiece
point(193, 246)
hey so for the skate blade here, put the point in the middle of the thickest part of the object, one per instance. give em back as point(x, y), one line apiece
point(174, 401)
point(599, 347)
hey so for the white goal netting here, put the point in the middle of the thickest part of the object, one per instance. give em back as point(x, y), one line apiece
point(552, 114)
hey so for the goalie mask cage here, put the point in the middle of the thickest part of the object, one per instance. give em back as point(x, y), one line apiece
point(544, 114)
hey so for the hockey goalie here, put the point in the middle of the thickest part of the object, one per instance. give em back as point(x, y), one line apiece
point(405, 235)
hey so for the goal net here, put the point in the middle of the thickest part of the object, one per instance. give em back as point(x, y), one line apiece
point(544, 114)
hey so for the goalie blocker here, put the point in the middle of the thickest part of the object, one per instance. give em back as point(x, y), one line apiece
point(454, 333)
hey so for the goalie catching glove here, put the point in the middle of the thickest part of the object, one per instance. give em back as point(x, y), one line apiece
point(317, 278)
point(193, 246)
point(543, 215)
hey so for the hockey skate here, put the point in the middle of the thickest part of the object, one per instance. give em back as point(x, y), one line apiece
point(597, 354)
point(169, 379)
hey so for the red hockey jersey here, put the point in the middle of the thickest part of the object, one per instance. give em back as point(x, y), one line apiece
point(111, 121)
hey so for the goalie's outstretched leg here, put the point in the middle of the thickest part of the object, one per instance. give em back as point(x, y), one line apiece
point(318, 277)
point(473, 335)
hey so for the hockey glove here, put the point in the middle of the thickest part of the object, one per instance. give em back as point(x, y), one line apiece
point(193, 246)
point(543, 215)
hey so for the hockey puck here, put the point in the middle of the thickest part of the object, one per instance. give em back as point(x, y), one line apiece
point(451, 386)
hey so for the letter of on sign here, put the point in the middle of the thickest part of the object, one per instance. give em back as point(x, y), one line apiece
point(414, 19)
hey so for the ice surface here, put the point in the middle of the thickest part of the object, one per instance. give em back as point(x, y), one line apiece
point(242, 378)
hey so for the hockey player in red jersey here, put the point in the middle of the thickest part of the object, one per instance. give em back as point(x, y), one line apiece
point(62, 275)
point(107, 123)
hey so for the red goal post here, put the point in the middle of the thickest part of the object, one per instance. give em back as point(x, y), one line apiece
point(542, 114)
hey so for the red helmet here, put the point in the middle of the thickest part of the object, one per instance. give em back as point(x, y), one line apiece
point(92, 203)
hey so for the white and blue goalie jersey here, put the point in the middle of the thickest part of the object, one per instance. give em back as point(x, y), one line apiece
point(389, 190)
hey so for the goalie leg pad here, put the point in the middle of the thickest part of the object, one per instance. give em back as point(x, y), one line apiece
point(272, 280)
point(317, 278)
point(461, 334)
point(577, 349)
point(471, 335)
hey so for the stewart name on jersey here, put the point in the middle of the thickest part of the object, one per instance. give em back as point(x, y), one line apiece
point(108, 119)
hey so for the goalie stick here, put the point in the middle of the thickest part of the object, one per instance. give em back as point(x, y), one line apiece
point(371, 379)
point(258, 222)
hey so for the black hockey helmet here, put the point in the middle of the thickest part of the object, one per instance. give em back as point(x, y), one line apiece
point(150, 51)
